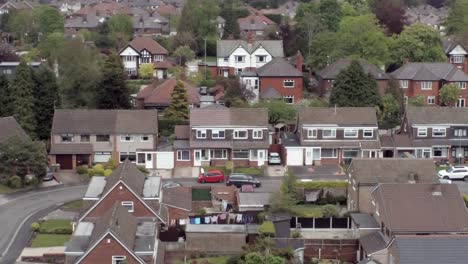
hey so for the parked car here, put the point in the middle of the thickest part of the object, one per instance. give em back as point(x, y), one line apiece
point(454, 173)
point(211, 176)
point(239, 179)
point(49, 175)
point(274, 158)
point(170, 184)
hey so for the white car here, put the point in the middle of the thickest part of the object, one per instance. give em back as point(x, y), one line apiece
point(274, 158)
point(454, 173)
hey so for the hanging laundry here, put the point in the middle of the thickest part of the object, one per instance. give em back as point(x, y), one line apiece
point(207, 220)
point(182, 221)
point(197, 221)
point(192, 221)
point(224, 204)
point(214, 219)
point(232, 217)
point(222, 216)
point(239, 218)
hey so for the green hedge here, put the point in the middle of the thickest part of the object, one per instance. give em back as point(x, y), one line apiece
point(267, 229)
point(56, 226)
point(315, 185)
point(465, 197)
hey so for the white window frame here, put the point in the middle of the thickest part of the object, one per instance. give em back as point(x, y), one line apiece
point(236, 134)
point(142, 138)
point(123, 138)
point(240, 151)
point(332, 130)
point(421, 130)
point(366, 131)
point(158, 57)
point(257, 134)
point(312, 133)
point(460, 132)
point(457, 58)
point(103, 135)
point(431, 100)
point(118, 258)
point(334, 153)
point(261, 58)
point(128, 203)
point(127, 154)
point(289, 99)
point(201, 133)
point(104, 156)
point(216, 132)
point(462, 85)
point(426, 85)
point(442, 130)
point(351, 130)
point(420, 153)
point(180, 156)
point(223, 154)
point(404, 84)
point(459, 104)
point(71, 136)
point(291, 85)
point(442, 149)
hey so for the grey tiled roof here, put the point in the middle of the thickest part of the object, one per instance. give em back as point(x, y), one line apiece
point(9, 128)
point(71, 148)
point(270, 93)
point(430, 71)
point(229, 117)
point(128, 173)
point(365, 116)
point(373, 242)
point(331, 71)
point(278, 67)
point(437, 115)
point(364, 221)
point(224, 48)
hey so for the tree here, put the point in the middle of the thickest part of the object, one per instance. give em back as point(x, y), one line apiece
point(7, 54)
point(121, 28)
point(146, 71)
point(354, 88)
point(22, 88)
point(417, 101)
point(235, 93)
point(46, 99)
point(449, 94)
point(5, 97)
point(325, 50)
point(308, 25)
point(49, 18)
point(185, 39)
point(24, 26)
point(391, 15)
point(457, 20)
point(178, 108)
point(231, 27)
point(330, 14)
point(259, 258)
point(393, 88)
point(389, 112)
point(51, 45)
point(286, 196)
point(113, 91)
point(184, 54)
point(278, 111)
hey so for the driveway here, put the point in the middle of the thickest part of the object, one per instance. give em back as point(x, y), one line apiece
point(323, 172)
point(70, 177)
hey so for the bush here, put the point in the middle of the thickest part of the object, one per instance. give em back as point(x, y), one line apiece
point(329, 210)
point(83, 169)
point(98, 170)
point(35, 226)
point(107, 172)
point(57, 230)
point(110, 164)
point(14, 182)
point(91, 172)
point(465, 197)
point(34, 181)
point(267, 229)
point(201, 211)
point(143, 169)
point(315, 185)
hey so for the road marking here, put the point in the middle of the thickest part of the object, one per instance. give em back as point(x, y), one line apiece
point(43, 192)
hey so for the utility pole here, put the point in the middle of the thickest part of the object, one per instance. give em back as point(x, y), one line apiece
point(205, 58)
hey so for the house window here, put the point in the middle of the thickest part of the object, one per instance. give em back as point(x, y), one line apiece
point(118, 259)
point(350, 153)
point(257, 134)
point(126, 138)
point(457, 59)
point(84, 138)
point(144, 138)
point(201, 133)
point(261, 58)
point(141, 158)
point(240, 58)
point(67, 138)
point(329, 133)
point(329, 153)
point(256, 84)
point(438, 132)
point(131, 156)
point(240, 134)
point(351, 133)
point(240, 154)
point(145, 60)
point(462, 85)
point(423, 153)
point(218, 154)
point(422, 132)
point(217, 134)
point(426, 85)
point(431, 100)
point(205, 154)
point(102, 138)
point(128, 205)
point(405, 100)
point(288, 83)
point(289, 99)
point(404, 84)
point(226, 59)
point(183, 155)
point(439, 152)
point(312, 133)
point(100, 157)
point(461, 102)
point(7, 71)
point(459, 132)
point(158, 57)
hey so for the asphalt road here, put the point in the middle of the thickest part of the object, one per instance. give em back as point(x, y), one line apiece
point(462, 186)
point(269, 184)
point(18, 211)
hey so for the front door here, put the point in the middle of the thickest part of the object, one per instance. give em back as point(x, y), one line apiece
point(261, 157)
point(225, 73)
point(197, 158)
point(160, 74)
point(309, 156)
point(149, 161)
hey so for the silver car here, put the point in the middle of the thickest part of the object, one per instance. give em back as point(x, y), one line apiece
point(274, 158)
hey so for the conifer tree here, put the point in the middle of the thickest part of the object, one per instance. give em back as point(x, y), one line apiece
point(5, 97)
point(178, 108)
point(22, 89)
point(113, 92)
point(46, 99)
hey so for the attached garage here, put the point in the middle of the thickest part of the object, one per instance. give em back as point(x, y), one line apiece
point(165, 160)
point(294, 156)
point(66, 153)
point(65, 161)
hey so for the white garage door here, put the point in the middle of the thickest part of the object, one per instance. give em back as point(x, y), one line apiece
point(164, 160)
point(295, 157)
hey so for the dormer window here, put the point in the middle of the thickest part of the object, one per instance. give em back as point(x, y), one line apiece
point(350, 133)
point(67, 138)
point(438, 132)
point(422, 132)
point(240, 134)
point(217, 134)
point(201, 133)
point(312, 133)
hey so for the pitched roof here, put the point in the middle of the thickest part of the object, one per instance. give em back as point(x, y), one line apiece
point(128, 173)
point(10, 128)
point(437, 115)
point(224, 48)
point(430, 71)
point(71, 148)
point(421, 208)
point(451, 42)
point(338, 116)
point(373, 242)
point(159, 94)
point(278, 67)
point(180, 197)
point(332, 70)
point(182, 131)
point(208, 116)
point(141, 43)
point(431, 249)
point(373, 171)
point(92, 121)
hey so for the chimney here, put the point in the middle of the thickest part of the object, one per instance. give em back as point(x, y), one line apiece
point(249, 38)
point(437, 189)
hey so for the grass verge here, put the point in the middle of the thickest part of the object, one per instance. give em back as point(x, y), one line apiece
point(72, 206)
point(49, 240)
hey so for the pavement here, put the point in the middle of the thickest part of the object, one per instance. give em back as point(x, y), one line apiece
point(462, 186)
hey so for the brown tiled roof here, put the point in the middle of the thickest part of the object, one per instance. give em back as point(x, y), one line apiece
point(251, 144)
point(160, 94)
point(9, 128)
point(71, 148)
point(182, 132)
point(162, 65)
point(421, 208)
point(128, 173)
point(141, 43)
point(437, 115)
point(375, 171)
point(257, 117)
point(331, 71)
point(180, 197)
point(341, 116)
point(278, 67)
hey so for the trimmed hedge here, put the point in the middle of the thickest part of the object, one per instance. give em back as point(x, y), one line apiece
point(56, 226)
point(316, 185)
point(267, 229)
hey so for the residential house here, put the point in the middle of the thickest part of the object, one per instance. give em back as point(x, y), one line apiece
point(327, 76)
point(218, 134)
point(287, 9)
point(9, 5)
point(89, 136)
point(428, 15)
point(277, 79)
point(365, 174)
point(255, 25)
point(139, 51)
point(150, 24)
point(332, 135)
point(158, 95)
point(8, 68)
point(161, 69)
point(236, 56)
point(10, 128)
point(457, 53)
point(427, 78)
point(115, 237)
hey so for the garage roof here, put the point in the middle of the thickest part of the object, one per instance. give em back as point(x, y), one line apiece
point(71, 148)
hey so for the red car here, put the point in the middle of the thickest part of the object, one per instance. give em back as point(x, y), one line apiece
point(211, 176)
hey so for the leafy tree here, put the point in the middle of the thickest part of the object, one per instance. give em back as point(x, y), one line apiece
point(22, 88)
point(121, 28)
point(6, 106)
point(391, 15)
point(457, 21)
point(146, 71)
point(231, 27)
point(103, 37)
point(235, 93)
point(278, 111)
point(178, 108)
point(49, 18)
point(113, 91)
point(330, 14)
point(389, 111)
point(259, 258)
point(354, 88)
point(21, 24)
point(51, 45)
point(393, 88)
point(185, 39)
point(417, 101)
point(184, 54)
point(325, 50)
point(286, 196)
point(289, 36)
point(308, 25)
point(417, 43)
point(449, 94)
point(46, 99)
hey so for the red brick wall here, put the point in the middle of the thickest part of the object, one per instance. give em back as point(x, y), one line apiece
point(104, 251)
point(277, 83)
point(382, 86)
point(330, 161)
point(176, 213)
point(183, 163)
point(119, 195)
point(414, 90)
point(344, 250)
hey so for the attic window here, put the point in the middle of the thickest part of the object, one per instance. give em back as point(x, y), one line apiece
point(261, 58)
point(118, 259)
point(128, 205)
point(457, 59)
point(67, 137)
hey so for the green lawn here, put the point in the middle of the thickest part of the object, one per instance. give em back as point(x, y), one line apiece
point(55, 223)
point(439, 168)
point(212, 260)
point(303, 210)
point(49, 240)
point(5, 189)
point(72, 206)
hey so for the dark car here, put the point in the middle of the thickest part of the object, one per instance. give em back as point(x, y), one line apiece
point(239, 179)
point(49, 175)
point(211, 176)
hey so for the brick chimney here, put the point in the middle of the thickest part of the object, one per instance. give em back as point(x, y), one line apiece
point(249, 38)
point(299, 61)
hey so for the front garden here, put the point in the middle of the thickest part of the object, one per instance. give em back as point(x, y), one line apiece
point(51, 233)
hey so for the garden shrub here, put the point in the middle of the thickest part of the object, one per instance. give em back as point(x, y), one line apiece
point(35, 226)
point(267, 229)
point(201, 211)
point(14, 182)
point(110, 164)
point(315, 185)
point(83, 169)
point(107, 172)
point(329, 210)
point(57, 230)
point(98, 169)
point(296, 234)
point(34, 181)
point(465, 197)
point(91, 172)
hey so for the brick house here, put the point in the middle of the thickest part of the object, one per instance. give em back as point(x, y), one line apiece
point(327, 135)
point(457, 53)
point(139, 51)
point(425, 79)
point(217, 134)
point(328, 75)
point(86, 136)
point(255, 25)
